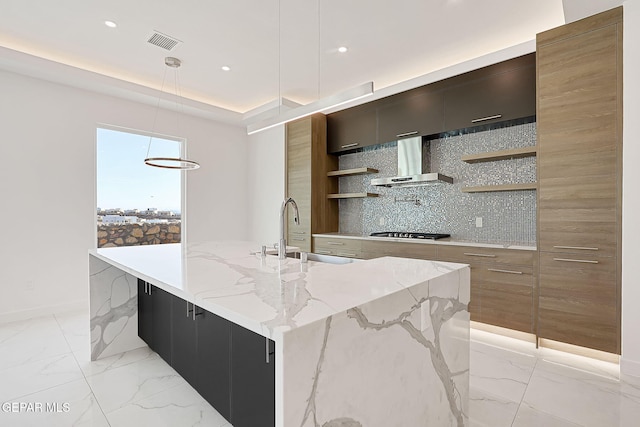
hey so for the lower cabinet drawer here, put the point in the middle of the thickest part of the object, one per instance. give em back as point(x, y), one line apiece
point(503, 297)
point(300, 240)
point(578, 301)
point(349, 248)
point(377, 249)
point(472, 254)
point(347, 253)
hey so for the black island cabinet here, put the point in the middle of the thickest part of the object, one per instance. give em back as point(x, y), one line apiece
point(230, 366)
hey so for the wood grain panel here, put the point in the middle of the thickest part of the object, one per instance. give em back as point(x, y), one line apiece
point(579, 121)
point(471, 254)
point(375, 249)
point(307, 181)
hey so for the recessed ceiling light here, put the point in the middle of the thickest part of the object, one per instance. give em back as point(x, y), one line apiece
point(110, 24)
point(226, 68)
point(342, 49)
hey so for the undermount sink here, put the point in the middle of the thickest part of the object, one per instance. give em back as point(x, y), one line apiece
point(330, 259)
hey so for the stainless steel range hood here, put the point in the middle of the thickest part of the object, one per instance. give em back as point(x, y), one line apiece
point(410, 167)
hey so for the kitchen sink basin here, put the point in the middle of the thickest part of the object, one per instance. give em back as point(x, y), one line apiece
point(330, 259)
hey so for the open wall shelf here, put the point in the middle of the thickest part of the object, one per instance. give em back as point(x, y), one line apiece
point(356, 171)
point(351, 195)
point(514, 153)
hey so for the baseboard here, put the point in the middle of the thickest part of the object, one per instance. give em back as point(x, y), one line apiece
point(629, 367)
point(15, 316)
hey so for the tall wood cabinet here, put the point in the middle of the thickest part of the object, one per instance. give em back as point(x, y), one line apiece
point(579, 120)
point(307, 181)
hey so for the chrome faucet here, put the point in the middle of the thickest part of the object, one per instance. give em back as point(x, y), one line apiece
point(282, 245)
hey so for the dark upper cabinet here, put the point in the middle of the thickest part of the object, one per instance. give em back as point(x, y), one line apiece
point(154, 318)
point(351, 129)
point(214, 360)
point(252, 379)
point(414, 113)
point(499, 92)
point(491, 95)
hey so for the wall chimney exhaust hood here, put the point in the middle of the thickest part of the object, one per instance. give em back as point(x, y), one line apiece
point(410, 167)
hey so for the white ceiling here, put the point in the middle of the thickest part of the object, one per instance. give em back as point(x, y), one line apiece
point(275, 48)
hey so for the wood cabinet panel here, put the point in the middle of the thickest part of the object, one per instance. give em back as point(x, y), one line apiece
point(349, 248)
point(351, 129)
point(307, 181)
point(579, 123)
point(473, 255)
point(415, 113)
point(376, 249)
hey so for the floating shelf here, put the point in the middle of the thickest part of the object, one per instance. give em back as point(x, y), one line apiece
point(356, 171)
point(351, 195)
point(505, 187)
point(514, 153)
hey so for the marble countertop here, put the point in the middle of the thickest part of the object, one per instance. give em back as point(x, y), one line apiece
point(267, 295)
point(446, 241)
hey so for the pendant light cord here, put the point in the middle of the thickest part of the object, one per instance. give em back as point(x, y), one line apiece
point(155, 116)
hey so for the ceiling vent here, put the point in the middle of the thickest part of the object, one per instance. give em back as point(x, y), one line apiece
point(162, 40)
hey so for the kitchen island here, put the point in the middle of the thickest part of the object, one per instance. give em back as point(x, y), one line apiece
point(382, 342)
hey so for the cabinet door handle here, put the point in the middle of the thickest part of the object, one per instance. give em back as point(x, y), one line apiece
point(266, 349)
point(298, 232)
point(346, 254)
point(298, 239)
point(497, 270)
point(353, 144)
point(150, 289)
point(335, 243)
point(323, 252)
point(187, 308)
point(480, 255)
point(400, 135)
point(484, 119)
point(584, 261)
point(582, 248)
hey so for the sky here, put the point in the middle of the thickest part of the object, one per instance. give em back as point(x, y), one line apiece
point(124, 181)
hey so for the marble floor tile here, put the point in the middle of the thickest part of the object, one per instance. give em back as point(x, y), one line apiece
point(75, 328)
point(581, 397)
point(130, 383)
point(177, 406)
point(99, 366)
point(500, 372)
point(529, 417)
point(36, 376)
point(31, 340)
point(486, 410)
point(71, 404)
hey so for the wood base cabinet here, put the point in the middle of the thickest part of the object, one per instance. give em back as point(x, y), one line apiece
point(503, 284)
point(579, 121)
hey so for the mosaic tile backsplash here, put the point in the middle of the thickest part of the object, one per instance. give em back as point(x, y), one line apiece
point(508, 217)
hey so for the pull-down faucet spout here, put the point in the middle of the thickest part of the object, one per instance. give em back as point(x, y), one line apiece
point(282, 244)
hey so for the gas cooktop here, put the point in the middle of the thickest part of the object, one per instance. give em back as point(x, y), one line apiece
point(407, 235)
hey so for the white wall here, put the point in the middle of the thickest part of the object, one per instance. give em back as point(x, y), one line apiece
point(48, 165)
point(630, 363)
point(266, 163)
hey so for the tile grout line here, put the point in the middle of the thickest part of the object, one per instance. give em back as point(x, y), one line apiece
point(535, 365)
point(84, 376)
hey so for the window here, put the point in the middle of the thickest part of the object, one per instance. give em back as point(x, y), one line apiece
point(136, 204)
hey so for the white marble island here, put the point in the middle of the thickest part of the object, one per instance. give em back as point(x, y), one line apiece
point(382, 342)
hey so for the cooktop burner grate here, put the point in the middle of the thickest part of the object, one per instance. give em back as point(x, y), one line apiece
point(410, 235)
